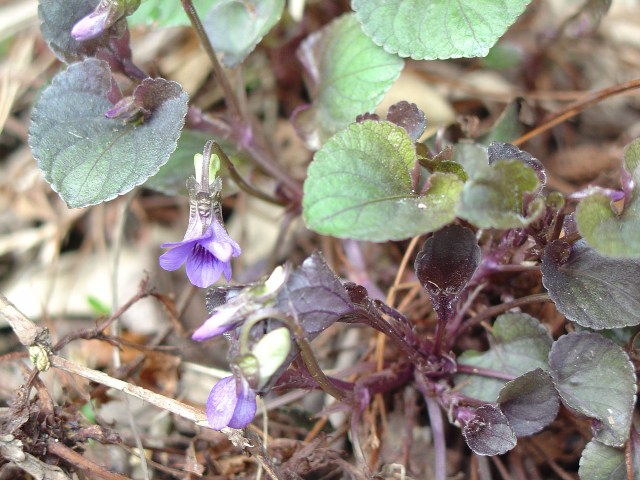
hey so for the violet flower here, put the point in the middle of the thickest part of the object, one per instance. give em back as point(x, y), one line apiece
point(206, 248)
point(207, 256)
point(231, 314)
point(231, 403)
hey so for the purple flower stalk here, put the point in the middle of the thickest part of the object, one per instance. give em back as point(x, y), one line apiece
point(207, 256)
point(231, 403)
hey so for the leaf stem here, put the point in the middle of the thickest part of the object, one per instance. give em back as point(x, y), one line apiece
point(229, 95)
point(306, 353)
point(437, 429)
point(240, 181)
point(241, 127)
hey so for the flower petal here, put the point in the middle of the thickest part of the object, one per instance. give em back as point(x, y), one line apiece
point(221, 404)
point(221, 321)
point(174, 258)
point(245, 406)
point(203, 269)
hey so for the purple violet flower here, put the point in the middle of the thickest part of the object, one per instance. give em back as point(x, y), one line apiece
point(207, 256)
point(231, 403)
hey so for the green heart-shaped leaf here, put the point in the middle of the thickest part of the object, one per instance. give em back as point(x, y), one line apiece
point(431, 29)
point(359, 186)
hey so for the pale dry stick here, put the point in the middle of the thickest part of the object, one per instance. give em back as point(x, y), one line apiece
point(28, 332)
point(30, 335)
point(575, 108)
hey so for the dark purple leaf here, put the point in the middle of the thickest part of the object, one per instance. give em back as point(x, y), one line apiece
point(591, 289)
point(489, 432)
point(446, 263)
point(408, 116)
point(506, 151)
point(530, 402)
point(58, 18)
point(595, 377)
point(314, 295)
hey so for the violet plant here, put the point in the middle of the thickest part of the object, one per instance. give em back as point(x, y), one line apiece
point(103, 127)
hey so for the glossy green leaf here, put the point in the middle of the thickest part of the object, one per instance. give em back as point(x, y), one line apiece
point(530, 402)
point(494, 199)
point(89, 158)
point(591, 289)
point(519, 344)
point(612, 234)
point(595, 377)
point(432, 29)
point(602, 462)
point(235, 27)
point(346, 75)
point(161, 13)
point(359, 186)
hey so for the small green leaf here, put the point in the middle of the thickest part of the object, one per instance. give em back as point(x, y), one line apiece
point(612, 234)
point(88, 158)
point(359, 186)
point(602, 462)
point(520, 344)
point(161, 13)
point(235, 27)
point(347, 74)
point(595, 377)
point(494, 199)
point(590, 289)
point(437, 29)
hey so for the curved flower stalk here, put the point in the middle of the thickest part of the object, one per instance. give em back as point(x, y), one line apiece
point(207, 248)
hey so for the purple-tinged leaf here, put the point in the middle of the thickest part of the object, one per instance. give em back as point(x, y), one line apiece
point(314, 295)
point(489, 432)
point(602, 462)
point(408, 116)
point(58, 18)
point(520, 343)
point(446, 263)
point(530, 402)
point(595, 377)
point(88, 158)
point(506, 151)
point(591, 289)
